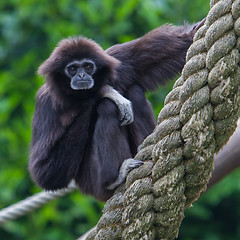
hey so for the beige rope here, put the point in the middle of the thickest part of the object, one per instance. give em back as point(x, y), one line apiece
point(199, 116)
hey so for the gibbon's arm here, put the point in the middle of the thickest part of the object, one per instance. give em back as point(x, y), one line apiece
point(155, 57)
point(123, 104)
point(50, 163)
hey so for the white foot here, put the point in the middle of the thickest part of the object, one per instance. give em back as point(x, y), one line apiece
point(126, 167)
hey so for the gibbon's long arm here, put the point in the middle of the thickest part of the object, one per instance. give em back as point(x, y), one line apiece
point(153, 58)
point(52, 162)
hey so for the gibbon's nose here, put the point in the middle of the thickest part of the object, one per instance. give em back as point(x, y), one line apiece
point(81, 75)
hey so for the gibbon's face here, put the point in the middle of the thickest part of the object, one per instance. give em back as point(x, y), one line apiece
point(81, 73)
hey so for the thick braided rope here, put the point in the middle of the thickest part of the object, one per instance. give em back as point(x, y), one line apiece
point(29, 204)
point(199, 116)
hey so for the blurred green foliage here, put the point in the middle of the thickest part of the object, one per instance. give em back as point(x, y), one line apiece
point(29, 30)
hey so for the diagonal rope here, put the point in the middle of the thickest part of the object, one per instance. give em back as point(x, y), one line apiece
point(199, 116)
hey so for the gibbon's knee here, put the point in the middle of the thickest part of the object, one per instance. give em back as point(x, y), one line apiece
point(107, 109)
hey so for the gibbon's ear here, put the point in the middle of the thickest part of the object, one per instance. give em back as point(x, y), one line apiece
point(52, 64)
point(76, 49)
point(47, 67)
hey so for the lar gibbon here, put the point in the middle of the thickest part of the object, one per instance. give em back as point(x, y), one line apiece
point(76, 132)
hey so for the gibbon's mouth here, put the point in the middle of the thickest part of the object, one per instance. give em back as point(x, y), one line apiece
point(82, 85)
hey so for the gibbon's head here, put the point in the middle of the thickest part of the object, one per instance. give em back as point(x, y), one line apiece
point(78, 64)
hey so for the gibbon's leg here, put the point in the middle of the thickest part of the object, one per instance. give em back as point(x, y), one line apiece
point(104, 167)
point(143, 125)
point(144, 119)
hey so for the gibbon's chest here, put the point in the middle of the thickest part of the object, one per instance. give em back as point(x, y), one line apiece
point(77, 110)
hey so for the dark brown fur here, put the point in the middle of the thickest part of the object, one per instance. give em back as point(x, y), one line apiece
point(76, 134)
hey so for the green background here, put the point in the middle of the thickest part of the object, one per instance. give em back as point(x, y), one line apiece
point(29, 30)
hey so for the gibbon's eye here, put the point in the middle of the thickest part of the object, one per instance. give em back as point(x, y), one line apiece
point(89, 67)
point(72, 70)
